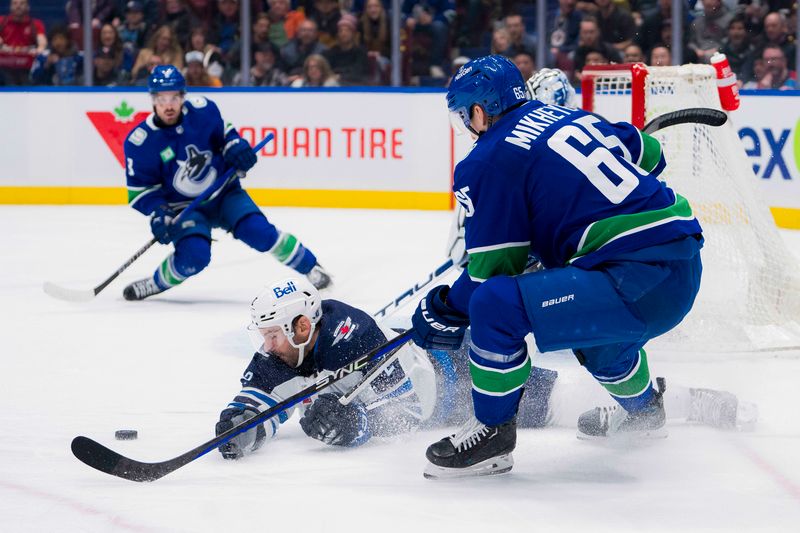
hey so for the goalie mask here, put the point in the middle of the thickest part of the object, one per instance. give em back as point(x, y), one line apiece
point(279, 304)
point(551, 86)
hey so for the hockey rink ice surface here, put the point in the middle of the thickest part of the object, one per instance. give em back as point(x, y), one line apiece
point(167, 366)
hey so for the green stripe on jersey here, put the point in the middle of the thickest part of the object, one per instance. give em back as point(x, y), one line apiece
point(284, 247)
point(496, 382)
point(136, 193)
point(651, 152)
point(602, 232)
point(634, 383)
point(510, 260)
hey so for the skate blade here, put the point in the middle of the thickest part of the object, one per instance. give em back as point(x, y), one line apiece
point(650, 434)
point(495, 465)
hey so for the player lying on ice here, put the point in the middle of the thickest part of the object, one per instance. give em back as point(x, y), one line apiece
point(302, 336)
point(621, 253)
point(173, 156)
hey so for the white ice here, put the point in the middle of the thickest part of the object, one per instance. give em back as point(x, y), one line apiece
point(168, 365)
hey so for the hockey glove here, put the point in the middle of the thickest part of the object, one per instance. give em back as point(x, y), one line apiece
point(238, 154)
point(161, 224)
point(336, 424)
point(243, 443)
point(437, 326)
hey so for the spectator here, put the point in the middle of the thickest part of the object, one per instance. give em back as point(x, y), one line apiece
point(633, 54)
point(226, 27)
point(195, 72)
point(212, 58)
point(776, 34)
point(616, 25)
point(259, 34)
point(151, 11)
point(316, 73)
point(566, 29)
point(649, 33)
point(525, 63)
point(61, 64)
point(133, 29)
point(708, 29)
point(472, 21)
point(739, 50)
point(426, 21)
point(201, 14)
point(22, 38)
point(347, 58)
point(112, 47)
point(164, 45)
point(265, 71)
point(521, 40)
point(774, 73)
point(176, 16)
point(326, 15)
point(501, 42)
point(374, 29)
point(590, 39)
point(660, 56)
point(283, 21)
point(305, 43)
point(106, 68)
point(102, 13)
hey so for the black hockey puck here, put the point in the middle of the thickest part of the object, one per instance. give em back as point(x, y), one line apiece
point(126, 434)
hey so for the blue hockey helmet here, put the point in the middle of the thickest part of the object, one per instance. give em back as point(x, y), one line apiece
point(166, 78)
point(493, 82)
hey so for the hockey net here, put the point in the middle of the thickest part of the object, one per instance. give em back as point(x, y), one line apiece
point(749, 297)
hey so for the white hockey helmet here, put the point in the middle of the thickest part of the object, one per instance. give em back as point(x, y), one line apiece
point(281, 302)
point(551, 86)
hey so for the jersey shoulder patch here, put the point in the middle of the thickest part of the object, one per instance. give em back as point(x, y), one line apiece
point(198, 102)
point(138, 136)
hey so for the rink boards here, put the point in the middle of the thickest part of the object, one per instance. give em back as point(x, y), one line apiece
point(372, 148)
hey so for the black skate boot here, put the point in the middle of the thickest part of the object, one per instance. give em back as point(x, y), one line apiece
point(139, 290)
point(721, 409)
point(614, 421)
point(476, 450)
point(319, 277)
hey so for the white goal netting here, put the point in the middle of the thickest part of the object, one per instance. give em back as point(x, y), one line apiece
point(749, 298)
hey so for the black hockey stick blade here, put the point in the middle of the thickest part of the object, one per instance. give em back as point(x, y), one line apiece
point(692, 115)
point(106, 460)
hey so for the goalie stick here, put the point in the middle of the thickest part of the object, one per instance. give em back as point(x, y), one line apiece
point(84, 295)
point(106, 460)
point(692, 115)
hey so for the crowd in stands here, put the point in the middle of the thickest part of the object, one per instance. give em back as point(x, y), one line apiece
point(328, 43)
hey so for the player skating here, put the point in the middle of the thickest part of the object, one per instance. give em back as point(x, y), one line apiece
point(301, 337)
point(620, 251)
point(174, 156)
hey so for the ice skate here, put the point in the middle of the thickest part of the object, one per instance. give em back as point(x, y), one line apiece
point(139, 290)
point(614, 421)
point(721, 409)
point(319, 277)
point(476, 450)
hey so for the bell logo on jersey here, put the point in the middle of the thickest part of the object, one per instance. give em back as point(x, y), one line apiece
point(344, 330)
point(283, 291)
point(465, 201)
point(191, 178)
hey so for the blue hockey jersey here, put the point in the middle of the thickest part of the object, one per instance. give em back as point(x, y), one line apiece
point(565, 186)
point(172, 165)
point(345, 334)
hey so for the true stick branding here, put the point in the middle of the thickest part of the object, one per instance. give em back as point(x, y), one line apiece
point(283, 291)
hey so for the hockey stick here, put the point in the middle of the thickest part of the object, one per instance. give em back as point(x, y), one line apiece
point(692, 115)
point(84, 295)
point(106, 460)
point(438, 273)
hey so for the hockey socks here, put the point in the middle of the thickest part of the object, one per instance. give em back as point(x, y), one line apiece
point(632, 390)
point(291, 252)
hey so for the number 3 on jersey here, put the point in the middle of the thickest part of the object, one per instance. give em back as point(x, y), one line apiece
point(590, 165)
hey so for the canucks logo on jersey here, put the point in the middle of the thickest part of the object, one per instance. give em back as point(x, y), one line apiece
point(191, 178)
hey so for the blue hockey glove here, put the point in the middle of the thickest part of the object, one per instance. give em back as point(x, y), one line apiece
point(244, 443)
point(336, 424)
point(161, 224)
point(237, 153)
point(437, 326)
